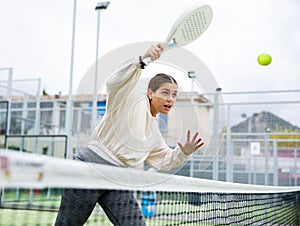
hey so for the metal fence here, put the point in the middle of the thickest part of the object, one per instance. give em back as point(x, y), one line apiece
point(261, 142)
point(255, 136)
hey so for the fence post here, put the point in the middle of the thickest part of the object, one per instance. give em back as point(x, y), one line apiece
point(275, 168)
point(229, 156)
point(266, 152)
point(215, 147)
point(295, 167)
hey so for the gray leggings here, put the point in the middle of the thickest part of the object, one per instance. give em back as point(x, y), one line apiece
point(77, 204)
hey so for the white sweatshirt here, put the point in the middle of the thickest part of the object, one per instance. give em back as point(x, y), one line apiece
point(128, 133)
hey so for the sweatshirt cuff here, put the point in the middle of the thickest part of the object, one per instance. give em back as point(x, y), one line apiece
point(144, 62)
point(182, 154)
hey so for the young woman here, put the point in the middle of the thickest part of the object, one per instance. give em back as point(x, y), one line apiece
point(128, 136)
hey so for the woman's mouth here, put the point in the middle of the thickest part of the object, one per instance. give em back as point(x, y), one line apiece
point(167, 106)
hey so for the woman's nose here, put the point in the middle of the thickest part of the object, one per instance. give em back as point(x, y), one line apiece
point(170, 98)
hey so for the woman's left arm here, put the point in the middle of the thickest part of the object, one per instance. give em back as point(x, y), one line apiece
point(165, 158)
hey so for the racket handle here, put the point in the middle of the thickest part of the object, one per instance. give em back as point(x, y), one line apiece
point(166, 46)
point(170, 44)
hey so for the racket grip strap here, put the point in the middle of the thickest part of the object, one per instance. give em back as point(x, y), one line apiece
point(142, 64)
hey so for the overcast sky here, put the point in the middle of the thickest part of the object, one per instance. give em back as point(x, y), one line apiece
point(36, 39)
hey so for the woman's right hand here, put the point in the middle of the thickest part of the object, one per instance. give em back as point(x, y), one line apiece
point(154, 52)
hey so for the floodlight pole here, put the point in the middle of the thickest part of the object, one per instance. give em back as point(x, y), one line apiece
point(100, 6)
point(69, 110)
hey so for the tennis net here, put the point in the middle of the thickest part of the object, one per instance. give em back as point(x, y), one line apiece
point(32, 184)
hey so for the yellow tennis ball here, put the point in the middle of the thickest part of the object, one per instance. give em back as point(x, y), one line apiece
point(264, 59)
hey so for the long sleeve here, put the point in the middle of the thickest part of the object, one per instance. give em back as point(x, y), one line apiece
point(165, 158)
point(121, 83)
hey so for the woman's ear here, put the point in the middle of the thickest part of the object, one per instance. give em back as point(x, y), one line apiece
point(149, 94)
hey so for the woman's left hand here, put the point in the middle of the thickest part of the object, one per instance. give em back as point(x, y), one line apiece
point(191, 145)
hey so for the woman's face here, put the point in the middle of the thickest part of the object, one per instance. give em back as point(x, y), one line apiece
point(163, 99)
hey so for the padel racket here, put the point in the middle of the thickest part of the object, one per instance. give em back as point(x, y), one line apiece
point(189, 26)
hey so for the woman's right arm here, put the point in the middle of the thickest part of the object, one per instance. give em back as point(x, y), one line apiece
point(132, 69)
point(123, 80)
point(129, 70)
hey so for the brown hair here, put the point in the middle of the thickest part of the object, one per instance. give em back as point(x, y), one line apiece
point(159, 79)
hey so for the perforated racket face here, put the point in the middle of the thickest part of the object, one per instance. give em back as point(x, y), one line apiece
point(190, 26)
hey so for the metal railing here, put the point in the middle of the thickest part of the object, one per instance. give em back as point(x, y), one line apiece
point(267, 118)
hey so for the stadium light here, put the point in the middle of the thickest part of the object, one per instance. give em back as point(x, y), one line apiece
point(99, 7)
